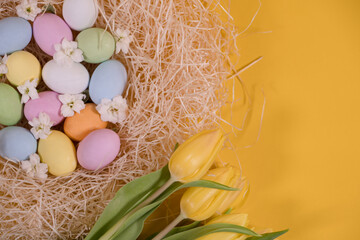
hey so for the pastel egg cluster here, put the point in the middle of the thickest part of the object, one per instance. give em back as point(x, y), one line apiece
point(68, 81)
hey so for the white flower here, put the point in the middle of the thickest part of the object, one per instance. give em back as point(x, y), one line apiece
point(28, 9)
point(114, 111)
point(41, 126)
point(28, 90)
point(3, 67)
point(123, 40)
point(34, 168)
point(67, 52)
point(71, 103)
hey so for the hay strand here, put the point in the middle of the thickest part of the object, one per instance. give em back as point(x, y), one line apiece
point(176, 68)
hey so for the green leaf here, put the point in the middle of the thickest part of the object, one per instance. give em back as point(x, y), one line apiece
point(208, 184)
point(127, 198)
point(176, 146)
point(139, 217)
point(183, 228)
point(269, 236)
point(228, 211)
point(132, 230)
point(177, 230)
point(195, 233)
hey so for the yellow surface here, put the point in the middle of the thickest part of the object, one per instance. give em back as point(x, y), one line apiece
point(304, 171)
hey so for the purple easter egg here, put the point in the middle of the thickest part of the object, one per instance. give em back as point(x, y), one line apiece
point(98, 149)
point(49, 29)
point(49, 103)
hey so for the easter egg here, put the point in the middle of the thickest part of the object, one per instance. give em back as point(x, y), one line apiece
point(81, 124)
point(59, 153)
point(10, 105)
point(80, 14)
point(22, 66)
point(71, 79)
point(17, 143)
point(98, 149)
point(107, 81)
point(49, 29)
point(49, 103)
point(15, 34)
point(97, 44)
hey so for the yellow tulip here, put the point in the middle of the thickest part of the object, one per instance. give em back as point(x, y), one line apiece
point(236, 219)
point(200, 203)
point(195, 156)
point(234, 199)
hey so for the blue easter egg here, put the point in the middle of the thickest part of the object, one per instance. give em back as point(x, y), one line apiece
point(15, 34)
point(107, 81)
point(17, 143)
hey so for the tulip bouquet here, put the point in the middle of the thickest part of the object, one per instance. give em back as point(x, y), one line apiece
point(214, 194)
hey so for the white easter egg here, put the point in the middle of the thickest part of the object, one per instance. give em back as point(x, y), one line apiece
point(62, 78)
point(80, 14)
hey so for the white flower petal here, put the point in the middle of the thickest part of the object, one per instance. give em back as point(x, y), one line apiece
point(66, 44)
point(28, 90)
point(28, 9)
point(25, 98)
point(114, 111)
point(34, 168)
point(67, 111)
point(67, 53)
point(34, 159)
point(71, 103)
point(3, 67)
point(77, 56)
point(123, 40)
point(26, 166)
point(41, 126)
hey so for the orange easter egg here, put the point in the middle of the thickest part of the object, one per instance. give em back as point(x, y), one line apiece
point(81, 124)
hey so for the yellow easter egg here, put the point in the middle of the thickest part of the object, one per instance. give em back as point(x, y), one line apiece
point(59, 153)
point(81, 124)
point(22, 66)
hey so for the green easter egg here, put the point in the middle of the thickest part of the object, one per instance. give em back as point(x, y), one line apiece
point(10, 105)
point(97, 45)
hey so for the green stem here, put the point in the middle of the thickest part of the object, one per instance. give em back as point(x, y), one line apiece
point(166, 230)
point(109, 233)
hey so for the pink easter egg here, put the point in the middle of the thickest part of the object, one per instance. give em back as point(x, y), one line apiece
point(49, 29)
point(98, 149)
point(49, 103)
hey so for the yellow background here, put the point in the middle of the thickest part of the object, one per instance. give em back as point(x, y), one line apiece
point(304, 171)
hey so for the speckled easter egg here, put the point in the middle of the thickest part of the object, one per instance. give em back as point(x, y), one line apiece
point(72, 79)
point(108, 80)
point(10, 105)
point(49, 29)
point(97, 44)
point(81, 124)
point(15, 34)
point(80, 14)
point(59, 153)
point(17, 143)
point(98, 149)
point(49, 103)
point(22, 66)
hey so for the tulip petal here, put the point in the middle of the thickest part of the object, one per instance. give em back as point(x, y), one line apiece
point(268, 236)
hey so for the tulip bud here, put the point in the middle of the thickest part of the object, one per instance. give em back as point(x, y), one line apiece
point(195, 156)
point(200, 203)
point(234, 199)
point(236, 219)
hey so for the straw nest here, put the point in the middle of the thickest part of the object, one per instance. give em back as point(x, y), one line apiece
point(176, 68)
